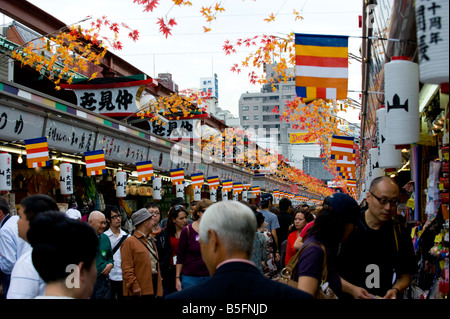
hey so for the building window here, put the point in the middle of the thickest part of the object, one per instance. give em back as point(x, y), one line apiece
point(256, 127)
point(247, 98)
point(245, 117)
point(256, 117)
point(245, 108)
point(255, 108)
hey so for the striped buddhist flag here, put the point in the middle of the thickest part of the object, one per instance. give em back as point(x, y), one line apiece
point(237, 187)
point(177, 175)
point(342, 146)
point(95, 162)
point(37, 152)
point(144, 170)
point(213, 182)
point(246, 186)
point(256, 190)
point(197, 180)
point(227, 185)
point(321, 66)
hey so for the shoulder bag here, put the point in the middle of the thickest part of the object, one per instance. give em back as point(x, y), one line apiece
point(290, 271)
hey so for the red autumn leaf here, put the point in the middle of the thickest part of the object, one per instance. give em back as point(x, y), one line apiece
point(172, 22)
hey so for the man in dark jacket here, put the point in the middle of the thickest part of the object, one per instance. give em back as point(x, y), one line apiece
point(226, 249)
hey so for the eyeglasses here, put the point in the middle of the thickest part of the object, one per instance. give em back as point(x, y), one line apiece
point(116, 216)
point(384, 201)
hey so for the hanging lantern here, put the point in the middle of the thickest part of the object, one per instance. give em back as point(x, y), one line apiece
point(180, 190)
point(121, 184)
point(66, 179)
point(402, 101)
point(224, 194)
point(374, 164)
point(388, 156)
point(5, 172)
point(432, 22)
point(213, 194)
point(157, 182)
point(197, 193)
point(244, 195)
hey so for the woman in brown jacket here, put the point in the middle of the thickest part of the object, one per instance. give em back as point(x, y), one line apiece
point(140, 266)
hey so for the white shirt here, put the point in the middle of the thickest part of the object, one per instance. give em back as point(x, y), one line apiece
point(116, 271)
point(25, 280)
point(11, 245)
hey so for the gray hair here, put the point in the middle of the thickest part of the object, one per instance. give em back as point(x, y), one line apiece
point(95, 214)
point(233, 222)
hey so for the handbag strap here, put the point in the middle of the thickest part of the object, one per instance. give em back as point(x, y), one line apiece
point(117, 246)
point(291, 266)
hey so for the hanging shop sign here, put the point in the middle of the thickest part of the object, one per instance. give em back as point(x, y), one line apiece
point(160, 160)
point(69, 138)
point(432, 22)
point(300, 138)
point(16, 125)
point(177, 130)
point(5, 172)
point(111, 99)
point(120, 150)
point(402, 101)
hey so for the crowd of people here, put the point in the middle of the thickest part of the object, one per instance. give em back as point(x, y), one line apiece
point(229, 249)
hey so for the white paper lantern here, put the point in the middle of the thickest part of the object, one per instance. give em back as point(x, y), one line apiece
point(224, 195)
point(244, 195)
point(432, 22)
point(66, 178)
point(157, 188)
point(235, 196)
point(5, 172)
point(121, 184)
point(402, 101)
point(374, 164)
point(180, 190)
point(388, 156)
point(197, 194)
point(213, 194)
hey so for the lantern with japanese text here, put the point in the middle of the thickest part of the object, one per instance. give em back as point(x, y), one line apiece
point(121, 184)
point(374, 164)
point(180, 190)
point(402, 101)
point(157, 182)
point(432, 22)
point(5, 172)
point(66, 178)
point(213, 194)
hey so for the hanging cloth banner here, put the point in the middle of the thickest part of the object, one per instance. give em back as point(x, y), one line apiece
point(37, 152)
point(256, 190)
point(145, 171)
point(237, 188)
point(321, 66)
point(95, 162)
point(213, 182)
point(227, 185)
point(177, 175)
point(197, 180)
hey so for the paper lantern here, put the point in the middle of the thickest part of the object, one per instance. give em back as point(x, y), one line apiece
point(388, 156)
point(213, 194)
point(244, 195)
point(5, 172)
point(432, 22)
point(197, 194)
point(402, 101)
point(157, 188)
point(66, 178)
point(224, 195)
point(121, 184)
point(180, 190)
point(374, 164)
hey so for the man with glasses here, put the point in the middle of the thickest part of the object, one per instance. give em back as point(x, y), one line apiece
point(379, 255)
point(116, 236)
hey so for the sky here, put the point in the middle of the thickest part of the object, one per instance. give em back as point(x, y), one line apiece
point(190, 54)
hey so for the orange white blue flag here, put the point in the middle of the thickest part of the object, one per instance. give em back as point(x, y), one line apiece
point(145, 171)
point(95, 162)
point(37, 152)
point(321, 66)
